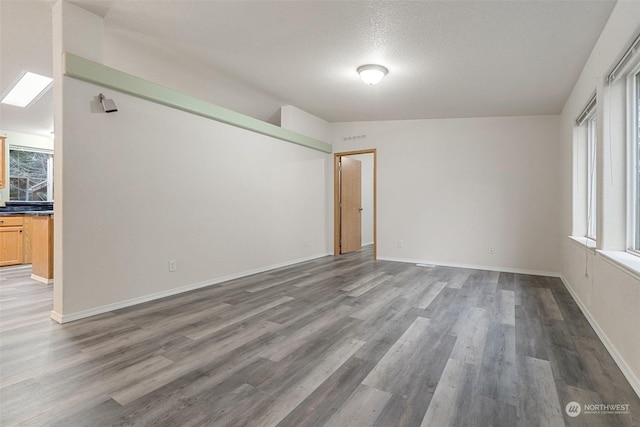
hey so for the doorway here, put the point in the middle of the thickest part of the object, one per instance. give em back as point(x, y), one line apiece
point(352, 185)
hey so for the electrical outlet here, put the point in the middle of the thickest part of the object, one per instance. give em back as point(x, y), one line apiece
point(306, 243)
point(492, 250)
point(172, 265)
point(400, 244)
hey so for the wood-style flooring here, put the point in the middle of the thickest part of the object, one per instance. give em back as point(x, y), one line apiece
point(338, 341)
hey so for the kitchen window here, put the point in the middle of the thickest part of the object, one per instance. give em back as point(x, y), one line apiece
point(30, 174)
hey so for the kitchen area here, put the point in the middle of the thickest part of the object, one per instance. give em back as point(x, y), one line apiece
point(26, 209)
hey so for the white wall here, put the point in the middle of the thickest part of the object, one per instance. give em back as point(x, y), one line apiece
point(367, 197)
point(150, 184)
point(21, 140)
point(300, 121)
point(609, 296)
point(449, 189)
point(148, 58)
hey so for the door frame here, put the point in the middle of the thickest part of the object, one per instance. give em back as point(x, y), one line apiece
point(336, 199)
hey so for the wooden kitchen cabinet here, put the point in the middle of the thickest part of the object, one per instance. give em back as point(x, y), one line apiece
point(26, 239)
point(2, 161)
point(42, 249)
point(27, 236)
point(11, 240)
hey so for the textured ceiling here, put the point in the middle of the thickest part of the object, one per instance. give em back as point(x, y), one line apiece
point(445, 58)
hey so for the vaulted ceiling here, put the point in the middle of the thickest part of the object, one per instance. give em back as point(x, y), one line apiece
point(445, 58)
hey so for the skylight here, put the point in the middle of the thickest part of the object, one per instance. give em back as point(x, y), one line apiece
point(26, 89)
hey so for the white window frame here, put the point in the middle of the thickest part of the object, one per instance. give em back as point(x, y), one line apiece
point(49, 165)
point(633, 163)
point(592, 165)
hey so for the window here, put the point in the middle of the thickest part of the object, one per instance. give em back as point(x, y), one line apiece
point(591, 175)
point(636, 169)
point(30, 174)
point(585, 164)
point(634, 160)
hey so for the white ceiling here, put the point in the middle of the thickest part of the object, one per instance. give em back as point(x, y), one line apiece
point(25, 45)
point(445, 58)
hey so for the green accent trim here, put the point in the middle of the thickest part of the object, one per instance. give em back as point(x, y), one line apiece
point(93, 72)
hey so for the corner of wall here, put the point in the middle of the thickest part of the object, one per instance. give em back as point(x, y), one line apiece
point(634, 381)
point(307, 124)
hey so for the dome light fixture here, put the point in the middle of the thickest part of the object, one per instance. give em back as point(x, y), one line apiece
point(372, 73)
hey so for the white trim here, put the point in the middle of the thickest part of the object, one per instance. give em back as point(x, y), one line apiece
point(472, 266)
point(41, 279)
point(592, 168)
point(632, 156)
point(623, 261)
point(579, 180)
point(56, 316)
point(626, 370)
point(585, 242)
point(65, 318)
point(32, 149)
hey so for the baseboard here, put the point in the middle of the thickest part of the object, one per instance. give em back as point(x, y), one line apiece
point(473, 267)
point(41, 279)
point(622, 364)
point(56, 316)
point(66, 318)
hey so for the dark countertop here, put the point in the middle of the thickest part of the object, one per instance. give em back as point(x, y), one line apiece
point(26, 208)
point(36, 213)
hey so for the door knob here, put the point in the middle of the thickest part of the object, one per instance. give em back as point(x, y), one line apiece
point(360, 209)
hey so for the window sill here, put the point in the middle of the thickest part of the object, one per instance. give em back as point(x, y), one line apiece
point(625, 261)
point(585, 242)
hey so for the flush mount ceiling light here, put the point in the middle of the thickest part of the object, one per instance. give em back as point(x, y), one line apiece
point(371, 73)
point(26, 89)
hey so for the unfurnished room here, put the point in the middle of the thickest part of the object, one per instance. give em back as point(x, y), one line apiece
point(319, 213)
